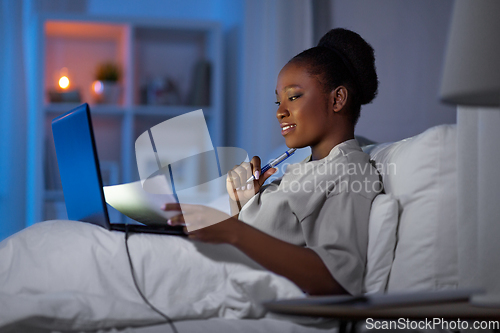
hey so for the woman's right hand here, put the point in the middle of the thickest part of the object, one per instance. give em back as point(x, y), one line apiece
point(239, 190)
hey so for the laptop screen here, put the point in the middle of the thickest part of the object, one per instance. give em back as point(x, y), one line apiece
point(79, 167)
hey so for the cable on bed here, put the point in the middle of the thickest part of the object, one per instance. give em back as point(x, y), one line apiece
point(167, 318)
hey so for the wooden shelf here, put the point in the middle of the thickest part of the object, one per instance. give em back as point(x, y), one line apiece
point(145, 49)
point(84, 30)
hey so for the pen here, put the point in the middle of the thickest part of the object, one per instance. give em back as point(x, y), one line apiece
point(275, 162)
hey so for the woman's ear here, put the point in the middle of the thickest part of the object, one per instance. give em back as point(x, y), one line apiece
point(338, 98)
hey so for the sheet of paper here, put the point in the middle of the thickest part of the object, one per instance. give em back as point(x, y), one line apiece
point(131, 200)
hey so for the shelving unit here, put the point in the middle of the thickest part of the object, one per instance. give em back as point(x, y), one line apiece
point(147, 51)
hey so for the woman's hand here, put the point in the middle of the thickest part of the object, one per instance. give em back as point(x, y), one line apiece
point(236, 184)
point(205, 224)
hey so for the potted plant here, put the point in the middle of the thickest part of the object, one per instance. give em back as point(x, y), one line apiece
point(106, 88)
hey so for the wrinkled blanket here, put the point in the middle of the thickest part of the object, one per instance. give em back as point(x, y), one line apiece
point(73, 275)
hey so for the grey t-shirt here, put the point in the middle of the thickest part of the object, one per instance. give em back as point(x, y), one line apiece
point(323, 205)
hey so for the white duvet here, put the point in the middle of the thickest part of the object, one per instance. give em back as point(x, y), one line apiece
point(73, 275)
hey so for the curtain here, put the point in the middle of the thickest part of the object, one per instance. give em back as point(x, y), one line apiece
point(273, 32)
point(13, 118)
point(478, 157)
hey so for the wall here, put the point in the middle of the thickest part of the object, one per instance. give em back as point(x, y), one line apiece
point(409, 39)
point(273, 32)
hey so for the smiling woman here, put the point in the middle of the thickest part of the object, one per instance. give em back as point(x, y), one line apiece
point(311, 225)
point(306, 232)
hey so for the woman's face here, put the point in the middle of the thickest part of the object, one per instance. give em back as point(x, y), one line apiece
point(303, 111)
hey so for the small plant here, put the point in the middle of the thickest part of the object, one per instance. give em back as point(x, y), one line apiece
point(108, 71)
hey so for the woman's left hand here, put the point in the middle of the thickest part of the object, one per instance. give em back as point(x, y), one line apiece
point(205, 224)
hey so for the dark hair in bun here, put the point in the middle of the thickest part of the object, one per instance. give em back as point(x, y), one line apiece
point(343, 57)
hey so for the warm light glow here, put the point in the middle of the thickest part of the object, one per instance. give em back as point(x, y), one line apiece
point(64, 82)
point(97, 87)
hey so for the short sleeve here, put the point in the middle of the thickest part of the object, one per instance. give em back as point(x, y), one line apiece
point(338, 233)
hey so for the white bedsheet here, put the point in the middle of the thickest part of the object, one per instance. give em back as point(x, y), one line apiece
point(211, 325)
point(221, 325)
point(70, 275)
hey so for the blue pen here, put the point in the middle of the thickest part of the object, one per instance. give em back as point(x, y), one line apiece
point(275, 162)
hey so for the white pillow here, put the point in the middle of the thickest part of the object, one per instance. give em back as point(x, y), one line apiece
point(382, 229)
point(420, 172)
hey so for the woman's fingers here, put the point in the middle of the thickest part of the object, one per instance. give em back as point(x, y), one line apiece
point(234, 177)
point(266, 175)
point(244, 171)
point(239, 175)
point(197, 216)
point(185, 208)
point(256, 169)
point(176, 220)
point(231, 187)
point(187, 211)
point(236, 183)
point(172, 206)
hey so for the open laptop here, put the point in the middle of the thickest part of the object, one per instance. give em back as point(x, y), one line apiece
point(81, 176)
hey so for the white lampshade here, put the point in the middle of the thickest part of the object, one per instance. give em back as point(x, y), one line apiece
point(472, 63)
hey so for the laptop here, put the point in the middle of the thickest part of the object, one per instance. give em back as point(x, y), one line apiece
point(81, 176)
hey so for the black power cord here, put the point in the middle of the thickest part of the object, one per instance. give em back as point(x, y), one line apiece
point(167, 318)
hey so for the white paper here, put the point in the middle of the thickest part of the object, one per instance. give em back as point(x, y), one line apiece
point(133, 201)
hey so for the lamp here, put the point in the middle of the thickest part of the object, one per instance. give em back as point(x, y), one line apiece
point(471, 77)
point(472, 64)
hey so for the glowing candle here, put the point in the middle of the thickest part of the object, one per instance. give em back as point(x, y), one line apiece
point(62, 79)
point(64, 82)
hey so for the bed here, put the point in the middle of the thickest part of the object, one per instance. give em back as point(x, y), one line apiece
point(86, 285)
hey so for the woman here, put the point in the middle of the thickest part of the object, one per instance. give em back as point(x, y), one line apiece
point(311, 225)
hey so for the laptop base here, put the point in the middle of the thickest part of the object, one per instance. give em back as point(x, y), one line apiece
point(157, 229)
